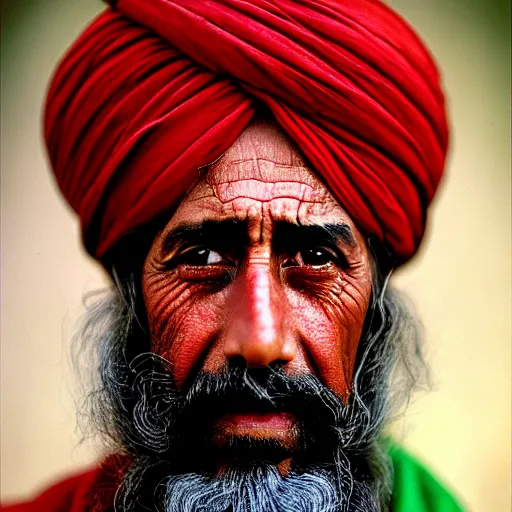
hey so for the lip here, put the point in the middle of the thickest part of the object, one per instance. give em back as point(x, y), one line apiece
point(258, 421)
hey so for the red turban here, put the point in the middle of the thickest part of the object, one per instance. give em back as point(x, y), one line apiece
point(154, 90)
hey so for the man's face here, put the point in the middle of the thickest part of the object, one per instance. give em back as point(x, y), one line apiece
point(258, 265)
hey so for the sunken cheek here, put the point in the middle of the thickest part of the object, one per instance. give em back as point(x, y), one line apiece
point(184, 320)
point(326, 309)
point(329, 313)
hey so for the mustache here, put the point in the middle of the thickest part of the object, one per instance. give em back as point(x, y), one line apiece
point(162, 413)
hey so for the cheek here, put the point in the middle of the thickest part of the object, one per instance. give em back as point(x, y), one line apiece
point(183, 322)
point(329, 321)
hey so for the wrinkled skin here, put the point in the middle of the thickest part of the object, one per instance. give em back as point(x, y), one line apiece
point(264, 289)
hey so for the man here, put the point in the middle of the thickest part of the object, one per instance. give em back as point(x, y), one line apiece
point(249, 173)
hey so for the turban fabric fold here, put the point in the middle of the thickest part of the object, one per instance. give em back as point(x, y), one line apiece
point(154, 90)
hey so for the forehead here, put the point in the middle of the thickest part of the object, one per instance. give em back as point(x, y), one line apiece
point(261, 177)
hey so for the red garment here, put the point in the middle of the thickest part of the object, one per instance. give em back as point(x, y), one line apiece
point(91, 491)
point(67, 496)
point(157, 89)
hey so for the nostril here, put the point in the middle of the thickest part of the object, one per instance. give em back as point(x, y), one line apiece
point(237, 362)
point(249, 360)
point(257, 356)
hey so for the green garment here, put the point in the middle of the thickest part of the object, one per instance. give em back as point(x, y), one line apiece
point(415, 489)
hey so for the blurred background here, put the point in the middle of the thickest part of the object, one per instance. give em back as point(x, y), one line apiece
point(460, 281)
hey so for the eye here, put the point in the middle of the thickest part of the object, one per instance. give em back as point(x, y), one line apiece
point(315, 256)
point(199, 257)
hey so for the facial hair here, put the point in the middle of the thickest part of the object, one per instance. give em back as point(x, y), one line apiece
point(169, 433)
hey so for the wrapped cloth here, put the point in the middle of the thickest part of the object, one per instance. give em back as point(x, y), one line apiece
point(155, 90)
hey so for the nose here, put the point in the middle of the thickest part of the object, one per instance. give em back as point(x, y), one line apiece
point(256, 327)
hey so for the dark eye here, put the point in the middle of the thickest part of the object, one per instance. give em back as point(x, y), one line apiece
point(199, 257)
point(314, 256)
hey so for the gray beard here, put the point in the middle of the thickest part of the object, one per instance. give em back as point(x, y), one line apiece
point(258, 489)
point(261, 490)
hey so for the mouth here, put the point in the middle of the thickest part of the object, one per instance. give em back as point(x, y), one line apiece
point(256, 435)
point(225, 421)
point(258, 424)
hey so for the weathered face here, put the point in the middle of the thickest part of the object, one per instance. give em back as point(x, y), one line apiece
point(259, 264)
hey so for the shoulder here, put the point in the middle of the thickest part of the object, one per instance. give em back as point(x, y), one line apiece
point(89, 491)
point(415, 489)
point(61, 496)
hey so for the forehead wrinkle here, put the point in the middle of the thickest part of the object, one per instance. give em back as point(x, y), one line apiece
point(264, 139)
point(261, 152)
point(266, 170)
point(304, 207)
point(266, 192)
point(262, 176)
point(264, 183)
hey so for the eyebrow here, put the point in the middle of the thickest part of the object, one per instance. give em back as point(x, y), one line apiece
point(332, 233)
point(217, 232)
point(222, 232)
